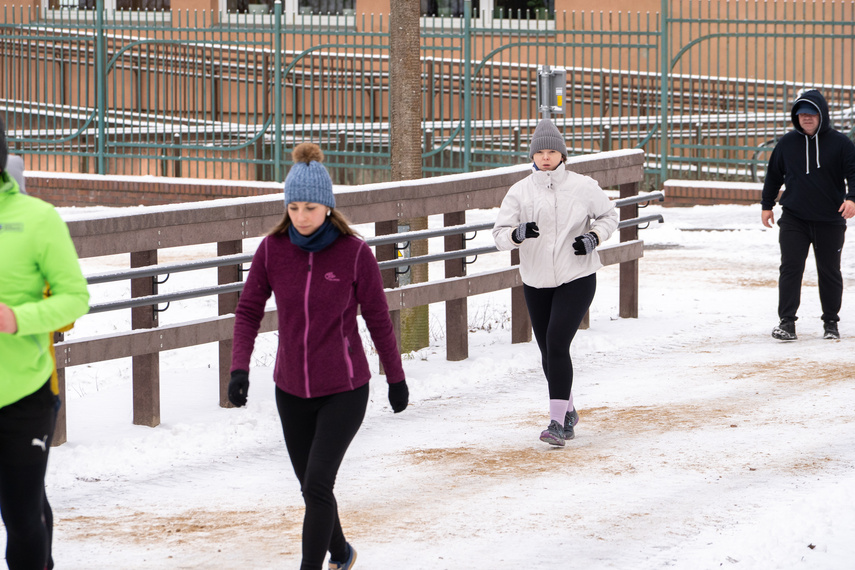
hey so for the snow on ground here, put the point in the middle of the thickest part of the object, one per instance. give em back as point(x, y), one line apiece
point(703, 443)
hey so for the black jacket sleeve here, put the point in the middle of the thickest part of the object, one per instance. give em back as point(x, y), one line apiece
point(775, 172)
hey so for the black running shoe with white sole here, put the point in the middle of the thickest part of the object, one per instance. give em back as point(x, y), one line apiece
point(829, 330)
point(786, 330)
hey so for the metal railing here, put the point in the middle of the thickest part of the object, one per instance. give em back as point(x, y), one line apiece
point(703, 88)
point(160, 270)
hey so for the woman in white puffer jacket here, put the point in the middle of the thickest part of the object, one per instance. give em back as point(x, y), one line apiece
point(556, 218)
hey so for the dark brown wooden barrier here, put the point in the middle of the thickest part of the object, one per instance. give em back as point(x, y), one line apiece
point(228, 222)
point(707, 193)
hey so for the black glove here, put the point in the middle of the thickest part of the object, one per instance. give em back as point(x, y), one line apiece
point(586, 243)
point(525, 230)
point(399, 396)
point(239, 387)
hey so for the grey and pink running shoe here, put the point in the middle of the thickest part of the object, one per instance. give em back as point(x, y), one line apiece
point(570, 419)
point(554, 434)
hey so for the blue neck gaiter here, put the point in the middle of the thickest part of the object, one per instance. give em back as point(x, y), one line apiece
point(322, 237)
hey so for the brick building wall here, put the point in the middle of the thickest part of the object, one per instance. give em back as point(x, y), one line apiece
point(117, 191)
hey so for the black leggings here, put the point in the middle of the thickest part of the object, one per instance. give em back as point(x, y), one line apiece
point(556, 313)
point(26, 431)
point(318, 432)
point(795, 237)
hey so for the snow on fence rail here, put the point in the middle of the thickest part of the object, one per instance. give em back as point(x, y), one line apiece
point(228, 222)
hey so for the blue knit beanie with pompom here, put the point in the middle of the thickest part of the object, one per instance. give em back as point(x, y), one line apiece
point(308, 180)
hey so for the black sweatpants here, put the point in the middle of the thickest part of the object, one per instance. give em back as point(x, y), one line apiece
point(795, 237)
point(318, 432)
point(26, 431)
point(556, 313)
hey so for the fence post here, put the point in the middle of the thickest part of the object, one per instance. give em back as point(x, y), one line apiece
point(456, 310)
point(216, 78)
point(665, 68)
point(520, 321)
point(146, 368)
point(467, 85)
point(629, 269)
point(698, 152)
point(390, 278)
point(226, 304)
point(60, 432)
point(100, 85)
point(342, 173)
point(176, 154)
point(428, 162)
point(429, 94)
point(277, 91)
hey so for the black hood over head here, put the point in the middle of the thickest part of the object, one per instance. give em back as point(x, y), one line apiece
point(815, 99)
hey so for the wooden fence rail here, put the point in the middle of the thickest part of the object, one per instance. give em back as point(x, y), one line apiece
point(228, 222)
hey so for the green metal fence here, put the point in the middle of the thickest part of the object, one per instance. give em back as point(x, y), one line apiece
point(703, 87)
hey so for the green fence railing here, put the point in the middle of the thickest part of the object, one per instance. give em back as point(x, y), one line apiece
point(703, 88)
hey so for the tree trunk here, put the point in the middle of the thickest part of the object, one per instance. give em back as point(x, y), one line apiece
point(405, 86)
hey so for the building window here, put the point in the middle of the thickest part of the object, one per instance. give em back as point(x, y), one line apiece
point(129, 5)
point(445, 8)
point(504, 14)
point(303, 7)
point(524, 9)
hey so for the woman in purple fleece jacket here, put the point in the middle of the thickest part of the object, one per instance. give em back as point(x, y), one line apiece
point(320, 273)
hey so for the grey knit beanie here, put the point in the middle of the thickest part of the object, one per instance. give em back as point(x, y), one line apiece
point(4, 151)
point(308, 180)
point(547, 137)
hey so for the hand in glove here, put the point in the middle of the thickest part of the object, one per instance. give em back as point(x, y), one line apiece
point(586, 243)
point(399, 396)
point(525, 230)
point(238, 387)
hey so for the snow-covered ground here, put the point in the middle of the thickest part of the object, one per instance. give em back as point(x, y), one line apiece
point(703, 443)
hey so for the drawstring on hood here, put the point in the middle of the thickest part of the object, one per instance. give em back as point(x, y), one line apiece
point(807, 153)
point(815, 99)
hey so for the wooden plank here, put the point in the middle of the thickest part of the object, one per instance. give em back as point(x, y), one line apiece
point(237, 218)
point(98, 349)
point(621, 252)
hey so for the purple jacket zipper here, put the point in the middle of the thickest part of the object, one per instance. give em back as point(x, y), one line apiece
point(306, 332)
point(349, 362)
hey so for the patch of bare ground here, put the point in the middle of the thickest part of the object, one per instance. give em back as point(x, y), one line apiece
point(754, 282)
point(807, 373)
point(281, 529)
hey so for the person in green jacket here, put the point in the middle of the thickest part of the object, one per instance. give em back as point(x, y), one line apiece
point(41, 290)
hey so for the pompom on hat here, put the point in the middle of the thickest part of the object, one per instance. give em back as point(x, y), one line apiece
point(308, 180)
point(547, 137)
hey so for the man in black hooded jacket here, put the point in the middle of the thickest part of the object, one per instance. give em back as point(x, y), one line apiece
point(814, 162)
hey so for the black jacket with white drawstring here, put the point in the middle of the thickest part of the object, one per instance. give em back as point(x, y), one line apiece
point(813, 169)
